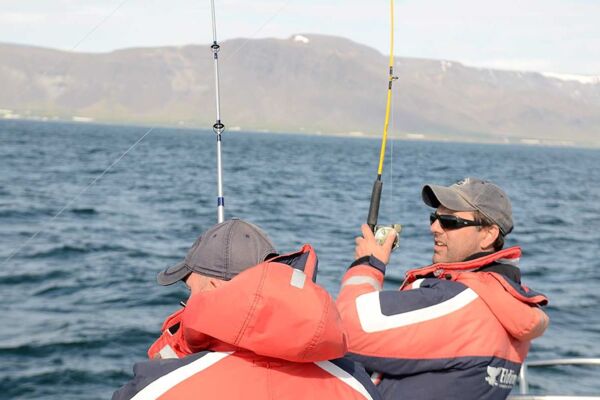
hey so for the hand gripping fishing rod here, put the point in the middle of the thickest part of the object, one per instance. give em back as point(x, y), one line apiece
point(218, 126)
point(381, 231)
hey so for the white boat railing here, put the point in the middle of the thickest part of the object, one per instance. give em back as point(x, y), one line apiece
point(524, 384)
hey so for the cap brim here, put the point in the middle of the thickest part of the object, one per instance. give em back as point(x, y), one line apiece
point(434, 196)
point(173, 274)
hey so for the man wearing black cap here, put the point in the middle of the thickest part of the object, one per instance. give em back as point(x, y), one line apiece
point(459, 328)
point(256, 326)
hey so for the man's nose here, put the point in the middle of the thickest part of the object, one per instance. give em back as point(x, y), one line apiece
point(436, 227)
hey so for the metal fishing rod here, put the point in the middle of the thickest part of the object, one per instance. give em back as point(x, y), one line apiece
point(381, 231)
point(218, 126)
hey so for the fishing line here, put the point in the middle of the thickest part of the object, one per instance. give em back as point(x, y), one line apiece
point(391, 162)
point(70, 202)
point(106, 18)
point(267, 22)
point(393, 127)
point(89, 33)
point(139, 140)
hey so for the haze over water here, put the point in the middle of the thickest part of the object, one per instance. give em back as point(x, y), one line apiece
point(80, 304)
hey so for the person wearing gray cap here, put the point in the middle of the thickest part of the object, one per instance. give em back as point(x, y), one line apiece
point(471, 203)
point(459, 328)
point(256, 325)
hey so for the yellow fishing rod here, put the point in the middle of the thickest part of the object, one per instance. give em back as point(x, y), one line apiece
point(381, 231)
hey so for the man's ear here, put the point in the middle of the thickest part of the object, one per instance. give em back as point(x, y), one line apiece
point(490, 234)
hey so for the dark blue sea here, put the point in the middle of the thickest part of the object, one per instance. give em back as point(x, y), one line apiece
point(80, 247)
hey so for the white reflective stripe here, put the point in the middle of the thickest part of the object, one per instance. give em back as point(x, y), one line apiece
point(360, 280)
point(298, 279)
point(166, 382)
point(509, 261)
point(344, 377)
point(417, 284)
point(373, 320)
point(167, 352)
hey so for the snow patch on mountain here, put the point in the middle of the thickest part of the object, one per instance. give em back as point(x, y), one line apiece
point(585, 79)
point(301, 39)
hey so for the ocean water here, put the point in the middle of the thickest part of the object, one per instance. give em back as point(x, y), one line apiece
point(80, 248)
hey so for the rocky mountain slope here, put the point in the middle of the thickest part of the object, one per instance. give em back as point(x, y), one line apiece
point(307, 83)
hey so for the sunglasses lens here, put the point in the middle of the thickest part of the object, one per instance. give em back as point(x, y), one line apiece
point(449, 222)
point(446, 221)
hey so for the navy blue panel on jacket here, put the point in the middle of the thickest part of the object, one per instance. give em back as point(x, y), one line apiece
point(359, 373)
point(418, 299)
point(463, 378)
point(147, 372)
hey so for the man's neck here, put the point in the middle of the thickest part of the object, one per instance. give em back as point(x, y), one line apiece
point(478, 255)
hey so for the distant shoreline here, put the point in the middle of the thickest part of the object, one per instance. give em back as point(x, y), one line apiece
point(408, 136)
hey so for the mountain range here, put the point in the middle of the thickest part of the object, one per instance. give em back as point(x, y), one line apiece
point(306, 83)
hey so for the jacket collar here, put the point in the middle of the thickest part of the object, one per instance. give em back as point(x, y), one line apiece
point(509, 256)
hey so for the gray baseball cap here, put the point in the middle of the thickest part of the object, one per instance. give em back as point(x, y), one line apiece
point(472, 194)
point(222, 252)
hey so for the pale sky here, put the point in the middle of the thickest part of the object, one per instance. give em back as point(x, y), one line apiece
point(536, 35)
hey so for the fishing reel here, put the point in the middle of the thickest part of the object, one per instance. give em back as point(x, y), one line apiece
point(382, 231)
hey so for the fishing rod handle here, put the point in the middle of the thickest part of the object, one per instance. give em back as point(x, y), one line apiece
point(374, 206)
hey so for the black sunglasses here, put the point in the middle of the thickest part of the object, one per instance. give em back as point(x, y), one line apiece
point(448, 221)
